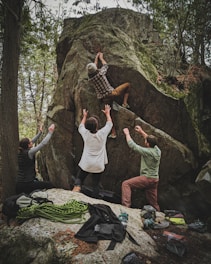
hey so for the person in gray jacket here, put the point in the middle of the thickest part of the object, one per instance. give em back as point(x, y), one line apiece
point(26, 180)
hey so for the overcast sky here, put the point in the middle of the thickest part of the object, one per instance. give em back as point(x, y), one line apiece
point(75, 10)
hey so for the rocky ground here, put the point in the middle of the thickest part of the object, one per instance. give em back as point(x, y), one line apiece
point(198, 248)
point(197, 245)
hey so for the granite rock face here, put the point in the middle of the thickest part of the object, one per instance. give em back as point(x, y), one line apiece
point(124, 37)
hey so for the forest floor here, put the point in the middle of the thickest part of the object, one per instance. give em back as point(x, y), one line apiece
point(197, 247)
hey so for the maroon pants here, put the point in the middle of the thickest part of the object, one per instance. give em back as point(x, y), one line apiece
point(150, 186)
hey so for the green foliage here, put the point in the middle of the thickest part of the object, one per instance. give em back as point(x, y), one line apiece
point(185, 25)
point(37, 67)
point(27, 124)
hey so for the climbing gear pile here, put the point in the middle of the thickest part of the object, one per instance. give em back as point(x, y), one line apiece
point(72, 212)
point(148, 216)
point(148, 223)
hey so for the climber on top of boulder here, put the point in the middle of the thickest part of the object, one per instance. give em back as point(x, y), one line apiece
point(103, 88)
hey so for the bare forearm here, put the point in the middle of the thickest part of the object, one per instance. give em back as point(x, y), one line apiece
point(83, 120)
point(127, 134)
point(85, 113)
point(96, 59)
point(103, 61)
point(141, 131)
point(128, 137)
point(144, 134)
point(108, 117)
point(106, 111)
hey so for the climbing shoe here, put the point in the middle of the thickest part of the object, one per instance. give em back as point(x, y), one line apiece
point(112, 136)
point(126, 106)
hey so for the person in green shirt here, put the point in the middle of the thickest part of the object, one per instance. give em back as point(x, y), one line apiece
point(149, 169)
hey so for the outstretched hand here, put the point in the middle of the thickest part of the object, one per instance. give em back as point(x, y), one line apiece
point(138, 129)
point(85, 112)
point(100, 55)
point(41, 128)
point(107, 109)
point(51, 128)
point(126, 131)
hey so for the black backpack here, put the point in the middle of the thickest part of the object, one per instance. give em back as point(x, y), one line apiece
point(103, 224)
point(10, 208)
point(13, 203)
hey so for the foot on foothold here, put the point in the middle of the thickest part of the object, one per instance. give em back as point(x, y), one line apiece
point(126, 106)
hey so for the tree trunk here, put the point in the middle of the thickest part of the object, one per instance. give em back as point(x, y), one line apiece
point(9, 111)
point(1, 62)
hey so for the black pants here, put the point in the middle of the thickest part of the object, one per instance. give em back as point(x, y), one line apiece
point(96, 177)
point(28, 187)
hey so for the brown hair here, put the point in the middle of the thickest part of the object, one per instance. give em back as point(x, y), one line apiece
point(24, 144)
point(92, 124)
point(152, 140)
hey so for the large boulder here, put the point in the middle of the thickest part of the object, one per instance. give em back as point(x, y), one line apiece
point(124, 37)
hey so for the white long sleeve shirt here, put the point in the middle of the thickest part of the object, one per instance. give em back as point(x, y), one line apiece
point(94, 156)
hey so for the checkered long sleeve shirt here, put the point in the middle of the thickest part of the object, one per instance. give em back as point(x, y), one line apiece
point(100, 82)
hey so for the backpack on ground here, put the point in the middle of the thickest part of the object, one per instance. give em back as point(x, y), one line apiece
point(13, 203)
point(10, 208)
point(103, 224)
